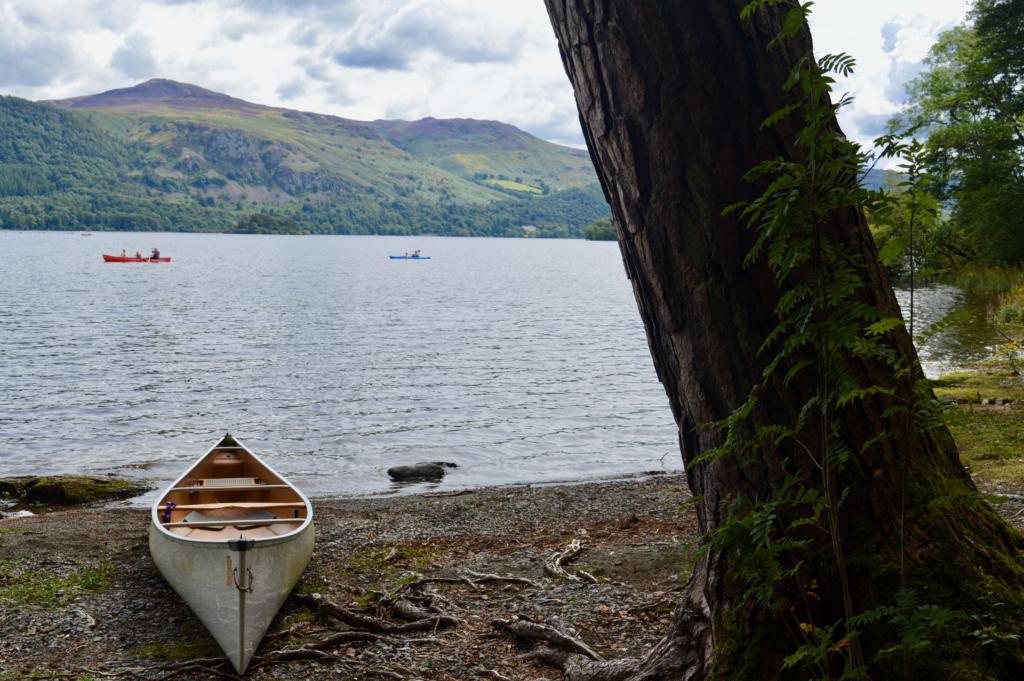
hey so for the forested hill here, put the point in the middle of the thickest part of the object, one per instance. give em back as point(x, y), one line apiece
point(171, 156)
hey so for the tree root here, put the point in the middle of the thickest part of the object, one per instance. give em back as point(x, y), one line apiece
point(484, 578)
point(409, 611)
point(542, 632)
point(208, 666)
point(373, 624)
point(578, 668)
point(469, 578)
point(554, 566)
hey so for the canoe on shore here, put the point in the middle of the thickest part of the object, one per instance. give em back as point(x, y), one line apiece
point(121, 258)
point(232, 537)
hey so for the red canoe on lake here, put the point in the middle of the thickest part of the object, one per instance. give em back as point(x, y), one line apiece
point(118, 258)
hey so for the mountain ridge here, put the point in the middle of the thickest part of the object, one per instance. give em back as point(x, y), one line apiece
point(153, 90)
point(218, 158)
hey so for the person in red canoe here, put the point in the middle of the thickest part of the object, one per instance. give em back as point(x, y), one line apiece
point(156, 254)
point(138, 255)
point(124, 253)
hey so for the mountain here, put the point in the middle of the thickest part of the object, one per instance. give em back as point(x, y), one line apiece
point(878, 178)
point(158, 91)
point(173, 156)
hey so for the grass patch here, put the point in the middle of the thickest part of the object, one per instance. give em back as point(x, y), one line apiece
point(990, 438)
point(993, 382)
point(295, 618)
point(20, 585)
point(381, 565)
point(514, 186)
point(986, 278)
point(991, 441)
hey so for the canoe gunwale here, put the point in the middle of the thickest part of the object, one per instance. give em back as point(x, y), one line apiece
point(154, 514)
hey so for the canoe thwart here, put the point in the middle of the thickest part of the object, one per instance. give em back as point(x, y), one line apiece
point(237, 522)
point(235, 504)
point(224, 488)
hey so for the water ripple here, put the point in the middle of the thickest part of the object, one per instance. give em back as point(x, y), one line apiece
point(523, 361)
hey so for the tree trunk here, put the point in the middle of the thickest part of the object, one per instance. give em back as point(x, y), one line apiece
point(671, 96)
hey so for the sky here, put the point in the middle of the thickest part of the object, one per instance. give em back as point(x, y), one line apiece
point(370, 59)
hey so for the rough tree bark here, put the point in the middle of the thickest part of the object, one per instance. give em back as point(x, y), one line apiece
point(671, 95)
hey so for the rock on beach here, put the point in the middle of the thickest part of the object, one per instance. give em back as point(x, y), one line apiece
point(419, 472)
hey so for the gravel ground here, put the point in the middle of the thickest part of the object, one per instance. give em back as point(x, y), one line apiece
point(81, 598)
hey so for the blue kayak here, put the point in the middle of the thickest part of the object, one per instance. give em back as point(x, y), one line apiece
point(409, 257)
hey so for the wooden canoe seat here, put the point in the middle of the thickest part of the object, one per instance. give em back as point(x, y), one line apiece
point(228, 482)
point(225, 488)
point(237, 522)
point(235, 504)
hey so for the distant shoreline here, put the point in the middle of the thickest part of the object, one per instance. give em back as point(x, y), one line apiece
point(97, 232)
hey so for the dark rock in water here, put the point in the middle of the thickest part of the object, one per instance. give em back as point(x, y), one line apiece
point(424, 470)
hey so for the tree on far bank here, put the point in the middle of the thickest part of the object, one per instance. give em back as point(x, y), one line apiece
point(601, 230)
point(842, 536)
point(969, 103)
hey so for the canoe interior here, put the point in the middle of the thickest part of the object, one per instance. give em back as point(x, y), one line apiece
point(230, 484)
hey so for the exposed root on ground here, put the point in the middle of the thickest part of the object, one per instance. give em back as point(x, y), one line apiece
point(210, 666)
point(555, 565)
point(541, 632)
point(577, 667)
point(373, 624)
point(469, 578)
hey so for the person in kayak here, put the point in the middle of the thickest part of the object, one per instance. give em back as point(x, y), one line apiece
point(156, 254)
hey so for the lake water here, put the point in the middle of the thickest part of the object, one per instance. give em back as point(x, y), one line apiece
point(520, 360)
point(971, 338)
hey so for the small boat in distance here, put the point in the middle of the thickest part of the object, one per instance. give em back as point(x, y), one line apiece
point(232, 537)
point(121, 258)
point(415, 255)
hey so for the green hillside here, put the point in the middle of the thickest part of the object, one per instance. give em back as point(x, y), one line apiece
point(171, 156)
point(495, 154)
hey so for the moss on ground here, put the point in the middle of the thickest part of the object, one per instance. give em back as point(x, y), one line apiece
point(20, 585)
point(991, 442)
point(68, 490)
point(990, 437)
point(991, 383)
point(381, 565)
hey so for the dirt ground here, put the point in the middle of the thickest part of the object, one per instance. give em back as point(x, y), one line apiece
point(80, 597)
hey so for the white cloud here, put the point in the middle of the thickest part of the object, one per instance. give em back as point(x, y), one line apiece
point(134, 58)
point(889, 41)
point(487, 59)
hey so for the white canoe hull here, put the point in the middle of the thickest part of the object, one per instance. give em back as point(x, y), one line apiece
point(204, 578)
point(232, 537)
